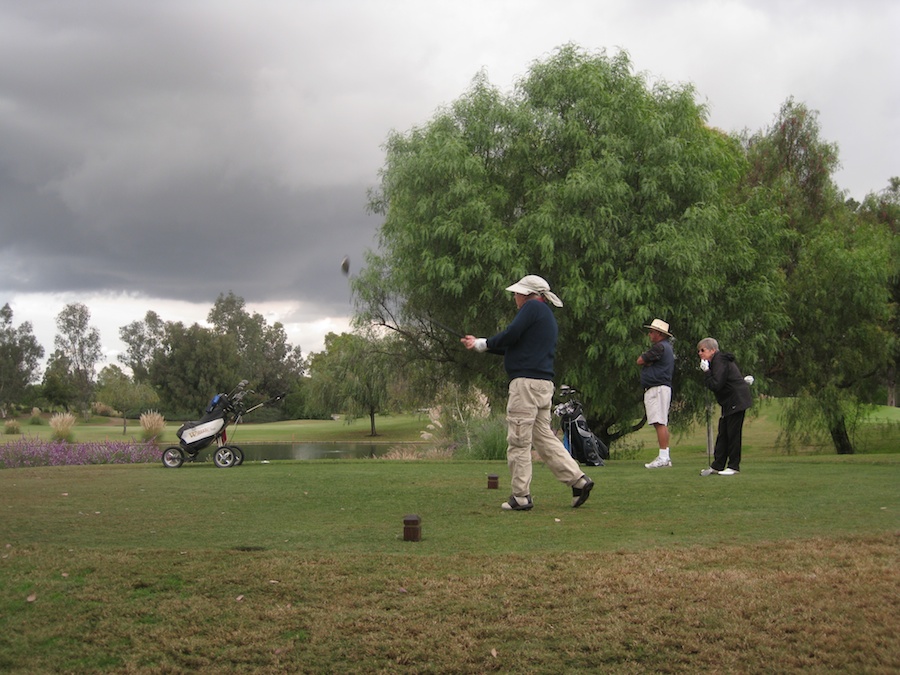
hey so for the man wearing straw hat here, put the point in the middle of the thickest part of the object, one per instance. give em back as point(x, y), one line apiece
point(528, 346)
point(657, 367)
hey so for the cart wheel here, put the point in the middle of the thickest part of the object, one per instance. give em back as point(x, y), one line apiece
point(173, 457)
point(238, 455)
point(225, 457)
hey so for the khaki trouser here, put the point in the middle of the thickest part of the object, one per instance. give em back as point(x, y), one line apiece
point(528, 425)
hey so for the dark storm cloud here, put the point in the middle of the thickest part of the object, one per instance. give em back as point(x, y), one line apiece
point(173, 150)
point(145, 148)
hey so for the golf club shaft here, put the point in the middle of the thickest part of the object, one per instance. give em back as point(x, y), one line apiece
point(444, 327)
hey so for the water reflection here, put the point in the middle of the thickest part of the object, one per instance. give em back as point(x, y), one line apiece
point(256, 452)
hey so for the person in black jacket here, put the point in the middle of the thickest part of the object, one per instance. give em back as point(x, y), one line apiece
point(732, 390)
point(528, 346)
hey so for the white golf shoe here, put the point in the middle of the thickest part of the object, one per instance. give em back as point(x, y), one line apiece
point(659, 463)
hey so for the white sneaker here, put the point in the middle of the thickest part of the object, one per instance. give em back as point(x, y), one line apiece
point(659, 463)
point(708, 472)
point(728, 472)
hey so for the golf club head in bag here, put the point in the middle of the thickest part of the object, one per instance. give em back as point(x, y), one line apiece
point(583, 444)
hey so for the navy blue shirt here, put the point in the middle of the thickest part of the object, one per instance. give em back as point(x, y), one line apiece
point(659, 365)
point(528, 344)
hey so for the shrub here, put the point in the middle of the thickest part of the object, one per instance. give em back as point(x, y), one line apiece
point(35, 420)
point(456, 415)
point(11, 427)
point(62, 424)
point(152, 425)
point(103, 410)
point(488, 440)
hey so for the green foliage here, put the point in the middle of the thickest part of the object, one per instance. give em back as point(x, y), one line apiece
point(19, 356)
point(116, 389)
point(192, 366)
point(488, 440)
point(144, 340)
point(240, 345)
point(58, 385)
point(267, 360)
point(616, 192)
point(883, 210)
point(837, 271)
point(351, 376)
point(78, 343)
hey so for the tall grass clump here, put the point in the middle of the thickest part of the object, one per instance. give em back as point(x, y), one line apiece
point(456, 415)
point(11, 427)
point(488, 440)
point(36, 420)
point(152, 425)
point(62, 425)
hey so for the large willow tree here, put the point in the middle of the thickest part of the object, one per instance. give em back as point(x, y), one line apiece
point(613, 189)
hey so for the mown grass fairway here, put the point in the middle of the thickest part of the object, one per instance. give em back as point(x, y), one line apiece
point(301, 567)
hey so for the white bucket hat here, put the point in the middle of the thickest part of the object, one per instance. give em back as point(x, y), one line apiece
point(661, 326)
point(533, 284)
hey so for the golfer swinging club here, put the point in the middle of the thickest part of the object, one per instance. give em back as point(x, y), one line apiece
point(528, 346)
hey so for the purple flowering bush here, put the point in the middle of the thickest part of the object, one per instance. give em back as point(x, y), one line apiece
point(35, 452)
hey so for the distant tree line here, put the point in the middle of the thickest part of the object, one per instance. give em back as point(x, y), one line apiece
point(175, 368)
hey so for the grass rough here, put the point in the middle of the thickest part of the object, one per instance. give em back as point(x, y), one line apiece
point(301, 567)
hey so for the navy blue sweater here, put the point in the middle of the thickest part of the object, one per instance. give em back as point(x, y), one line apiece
point(528, 344)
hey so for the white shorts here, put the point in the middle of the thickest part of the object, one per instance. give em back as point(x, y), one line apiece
point(656, 403)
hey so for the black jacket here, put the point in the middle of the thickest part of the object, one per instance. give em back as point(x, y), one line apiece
point(724, 379)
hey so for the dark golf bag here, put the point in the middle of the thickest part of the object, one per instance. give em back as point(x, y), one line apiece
point(580, 441)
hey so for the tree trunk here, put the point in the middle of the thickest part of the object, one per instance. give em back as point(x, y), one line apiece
point(372, 421)
point(840, 437)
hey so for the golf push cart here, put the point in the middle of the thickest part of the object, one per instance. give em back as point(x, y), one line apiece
point(222, 411)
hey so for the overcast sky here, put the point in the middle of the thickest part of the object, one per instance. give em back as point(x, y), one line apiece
point(156, 154)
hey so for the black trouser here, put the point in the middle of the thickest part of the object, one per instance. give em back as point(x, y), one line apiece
point(728, 442)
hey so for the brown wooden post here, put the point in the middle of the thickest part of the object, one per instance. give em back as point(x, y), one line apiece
point(412, 528)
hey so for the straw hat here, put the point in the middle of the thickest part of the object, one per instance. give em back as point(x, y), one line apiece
point(661, 326)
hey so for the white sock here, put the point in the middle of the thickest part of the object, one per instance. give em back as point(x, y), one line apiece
point(664, 454)
point(522, 500)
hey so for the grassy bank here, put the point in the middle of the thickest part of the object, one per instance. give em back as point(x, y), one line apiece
point(301, 567)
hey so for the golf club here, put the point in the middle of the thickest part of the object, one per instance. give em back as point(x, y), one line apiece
point(446, 328)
